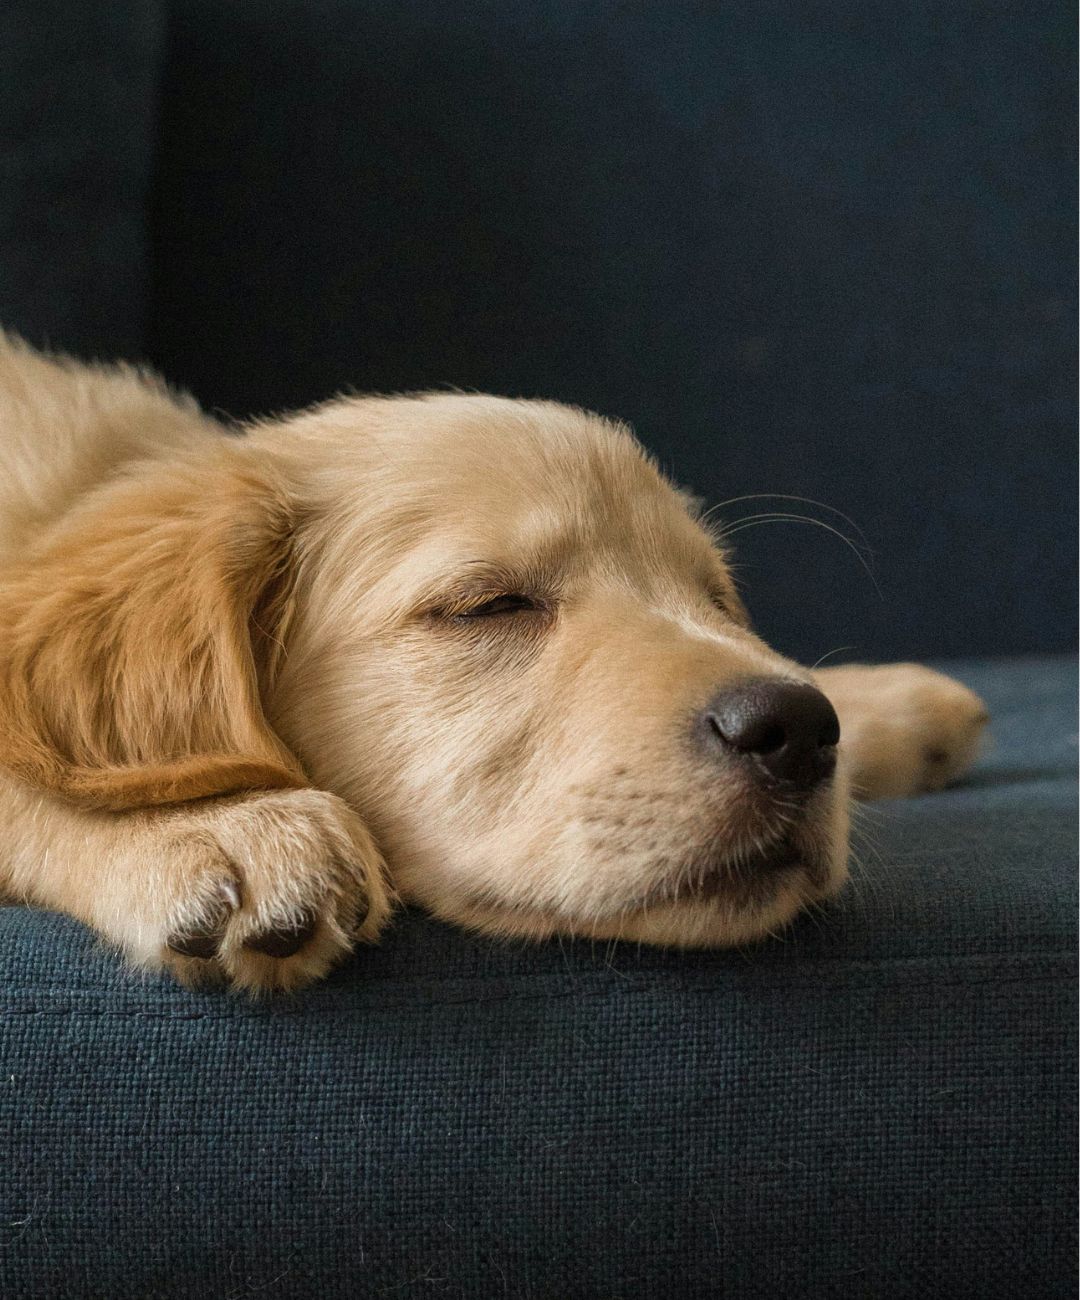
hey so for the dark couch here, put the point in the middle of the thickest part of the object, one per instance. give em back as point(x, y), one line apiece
point(818, 250)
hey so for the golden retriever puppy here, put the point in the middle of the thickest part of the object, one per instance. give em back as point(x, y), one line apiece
point(460, 650)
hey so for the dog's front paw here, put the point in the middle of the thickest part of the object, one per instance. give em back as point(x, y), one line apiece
point(265, 891)
point(905, 729)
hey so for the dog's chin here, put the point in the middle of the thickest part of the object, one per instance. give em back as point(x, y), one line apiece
point(718, 910)
point(707, 907)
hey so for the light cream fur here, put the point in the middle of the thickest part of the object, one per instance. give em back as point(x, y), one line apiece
point(243, 683)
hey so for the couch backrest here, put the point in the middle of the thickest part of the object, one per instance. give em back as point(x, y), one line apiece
point(810, 249)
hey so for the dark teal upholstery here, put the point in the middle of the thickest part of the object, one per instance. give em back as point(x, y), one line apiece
point(818, 249)
point(821, 249)
point(881, 1104)
point(808, 248)
point(78, 139)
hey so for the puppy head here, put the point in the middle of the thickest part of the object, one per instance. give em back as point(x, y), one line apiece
point(519, 654)
point(492, 626)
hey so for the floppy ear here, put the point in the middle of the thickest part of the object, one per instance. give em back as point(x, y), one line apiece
point(129, 641)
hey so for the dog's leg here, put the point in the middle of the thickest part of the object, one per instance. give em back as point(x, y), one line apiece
point(906, 729)
point(265, 891)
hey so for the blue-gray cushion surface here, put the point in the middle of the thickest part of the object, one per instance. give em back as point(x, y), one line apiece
point(78, 131)
point(881, 1103)
point(816, 249)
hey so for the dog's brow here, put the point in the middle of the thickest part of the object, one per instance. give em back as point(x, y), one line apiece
point(472, 576)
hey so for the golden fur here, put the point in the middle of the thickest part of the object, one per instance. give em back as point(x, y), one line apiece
point(244, 691)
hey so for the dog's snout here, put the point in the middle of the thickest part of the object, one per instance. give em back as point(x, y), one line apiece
point(790, 729)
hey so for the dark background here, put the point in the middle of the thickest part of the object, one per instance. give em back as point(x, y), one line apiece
point(813, 249)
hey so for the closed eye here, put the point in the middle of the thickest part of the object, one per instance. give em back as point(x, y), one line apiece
point(512, 603)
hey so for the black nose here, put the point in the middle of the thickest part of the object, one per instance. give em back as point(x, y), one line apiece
point(789, 729)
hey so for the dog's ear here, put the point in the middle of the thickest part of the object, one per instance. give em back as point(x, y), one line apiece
point(132, 641)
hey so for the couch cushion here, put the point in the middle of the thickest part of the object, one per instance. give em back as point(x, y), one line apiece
point(78, 111)
point(881, 1103)
point(817, 249)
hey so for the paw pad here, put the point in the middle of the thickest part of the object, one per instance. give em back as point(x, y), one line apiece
point(203, 940)
point(285, 938)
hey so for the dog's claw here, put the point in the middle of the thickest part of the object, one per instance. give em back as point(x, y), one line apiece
point(201, 944)
point(203, 941)
point(229, 894)
point(359, 914)
point(286, 939)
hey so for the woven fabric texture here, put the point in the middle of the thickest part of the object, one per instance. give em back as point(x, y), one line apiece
point(879, 1105)
point(78, 132)
point(815, 249)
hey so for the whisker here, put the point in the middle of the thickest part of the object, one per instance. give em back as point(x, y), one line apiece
point(785, 496)
point(828, 655)
point(775, 517)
